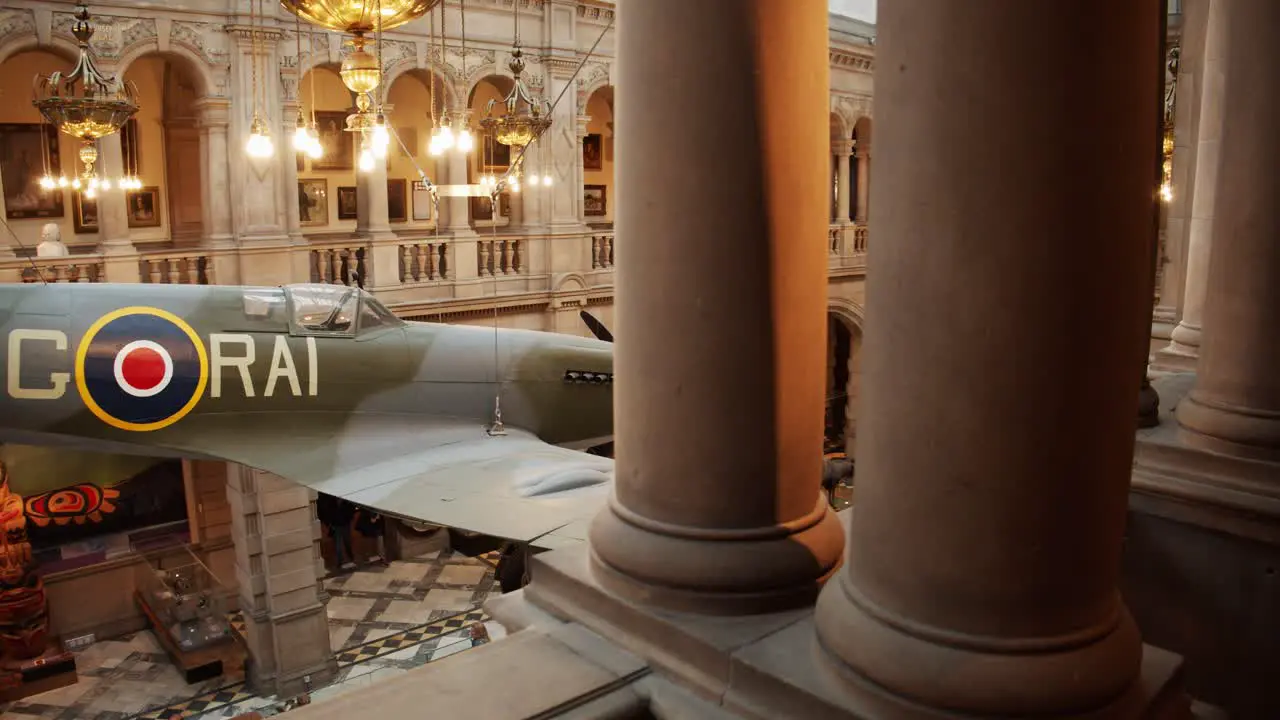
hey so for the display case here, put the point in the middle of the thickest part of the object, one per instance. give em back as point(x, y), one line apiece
point(185, 601)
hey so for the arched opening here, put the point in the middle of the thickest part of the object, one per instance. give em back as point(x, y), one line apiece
point(838, 135)
point(844, 376)
point(597, 159)
point(411, 102)
point(491, 156)
point(160, 146)
point(25, 141)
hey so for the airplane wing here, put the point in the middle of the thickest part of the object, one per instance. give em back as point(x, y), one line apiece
point(439, 471)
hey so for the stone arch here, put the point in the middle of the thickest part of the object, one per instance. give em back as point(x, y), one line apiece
point(192, 64)
point(445, 80)
point(597, 76)
point(861, 131)
point(839, 128)
point(571, 282)
point(58, 45)
point(844, 372)
point(502, 82)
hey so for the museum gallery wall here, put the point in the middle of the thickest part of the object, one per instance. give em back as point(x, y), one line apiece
point(84, 508)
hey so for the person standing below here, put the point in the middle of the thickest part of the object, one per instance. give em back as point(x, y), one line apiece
point(370, 524)
point(336, 515)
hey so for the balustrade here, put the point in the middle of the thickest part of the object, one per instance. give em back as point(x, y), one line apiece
point(177, 269)
point(75, 268)
point(339, 265)
point(602, 251)
point(423, 261)
point(500, 256)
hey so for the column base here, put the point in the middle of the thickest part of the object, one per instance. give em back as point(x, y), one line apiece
point(286, 661)
point(716, 572)
point(1077, 674)
point(1230, 430)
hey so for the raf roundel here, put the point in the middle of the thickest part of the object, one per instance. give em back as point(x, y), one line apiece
point(141, 368)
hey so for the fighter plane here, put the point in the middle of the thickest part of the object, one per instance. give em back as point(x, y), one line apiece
point(324, 386)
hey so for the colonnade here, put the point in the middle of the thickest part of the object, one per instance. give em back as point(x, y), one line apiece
point(852, 198)
point(982, 565)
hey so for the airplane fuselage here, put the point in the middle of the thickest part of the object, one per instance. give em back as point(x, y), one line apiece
point(111, 365)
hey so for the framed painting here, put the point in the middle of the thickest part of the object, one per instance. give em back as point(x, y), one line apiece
point(482, 208)
point(143, 207)
point(397, 208)
point(337, 143)
point(593, 200)
point(347, 202)
point(593, 152)
point(84, 213)
point(421, 201)
point(494, 155)
point(22, 152)
point(313, 202)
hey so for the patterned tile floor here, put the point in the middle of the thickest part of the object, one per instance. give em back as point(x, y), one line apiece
point(382, 621)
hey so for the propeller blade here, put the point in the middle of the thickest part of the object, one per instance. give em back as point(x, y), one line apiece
point(597, 328)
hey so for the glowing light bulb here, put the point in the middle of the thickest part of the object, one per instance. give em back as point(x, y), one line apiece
point(62, 181)
point(446, 137)
point(104, 185)
point(75, 183)
point(301, 138)
point(466, 142)
point(366, 160)
point(47, 183)
point(381, 139)
point(91, 193)
point(315, 150)
point(1166, 192)
point(514, 186)
point(546, 180)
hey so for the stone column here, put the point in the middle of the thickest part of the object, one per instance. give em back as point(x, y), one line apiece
point(863, 157)
point(458, 219)
point(1234, 407)
point(515, 222)
point(289, 169)
point(580, 170)
point(535, 196)
point(214, 117)
point(121, 262)
point(257, 214)
point(984, 550)
point(853, 388)
point(371, 200)
point(1184, 345)
point(842, 150)
point(564, 148)
point(716, 508)
point(278, 571)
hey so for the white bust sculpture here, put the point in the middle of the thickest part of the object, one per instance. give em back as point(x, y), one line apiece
point(51, 242)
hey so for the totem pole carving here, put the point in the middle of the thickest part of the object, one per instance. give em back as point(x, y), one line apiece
point(24, 615)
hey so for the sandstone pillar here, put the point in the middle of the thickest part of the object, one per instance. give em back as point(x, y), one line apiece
point(1184, 346)
point(717, 507)
point(535, 196)
point(214, 117)
point(458, 217)
point(863, 156)
point(371, 199)
point(278, 572)
point(842, 150)
point(289, 170)
point(984, 548)
point(1234, 407)
point(121, 258)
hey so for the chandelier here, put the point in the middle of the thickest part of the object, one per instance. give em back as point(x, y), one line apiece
point(526, 117)
point(358, 17)
point(1166, 142)
point(85, 104)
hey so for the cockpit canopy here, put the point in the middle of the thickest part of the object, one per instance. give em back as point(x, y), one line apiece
point(315, 309)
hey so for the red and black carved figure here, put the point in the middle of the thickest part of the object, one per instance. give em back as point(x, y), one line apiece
point(81, 503)
point(24, 616)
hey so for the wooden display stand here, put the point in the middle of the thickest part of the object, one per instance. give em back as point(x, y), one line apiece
point(225, 657)
point(55, 668)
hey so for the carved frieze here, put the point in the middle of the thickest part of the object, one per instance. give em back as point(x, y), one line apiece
point(593, 75)
point(112, 34)
point(853, 61)
point(205, 39)
point(595, 11)
point(16, 22)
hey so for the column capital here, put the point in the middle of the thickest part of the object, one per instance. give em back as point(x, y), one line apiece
point(583, 122)
point(560, 68)
point(842, 147)
point(213, 112)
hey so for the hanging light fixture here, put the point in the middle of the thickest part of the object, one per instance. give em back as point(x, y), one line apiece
point(1166, 142)
point(304, 138)
point(442, 138)
point(526, 117)
point(85, 103)
point(259, 144)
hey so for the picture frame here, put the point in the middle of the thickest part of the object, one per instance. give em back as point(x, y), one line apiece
point(397, 208)
point(84, 214)
point(22, 149)
point(347, 202)
point(143, 207)
point(594, 200)
point(482, 209)
point(338, 144)
point(494, 155)
point(422, 206)
point(593, 152)
point(313, 202)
